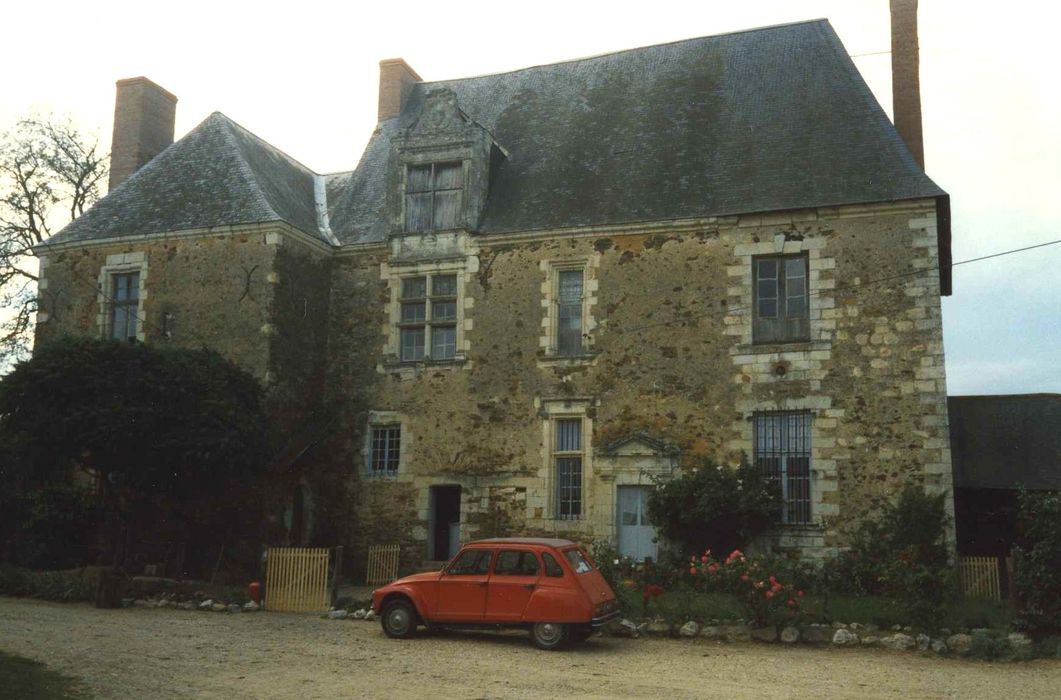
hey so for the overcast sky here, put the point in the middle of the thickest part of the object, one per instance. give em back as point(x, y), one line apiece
point(303, 76)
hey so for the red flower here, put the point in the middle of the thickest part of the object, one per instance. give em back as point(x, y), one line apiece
point(692, 570)
point(712, 568)
point(745, 578)
point(769, 594)
point(791, 603)
point(799, 593)
point(703, 559)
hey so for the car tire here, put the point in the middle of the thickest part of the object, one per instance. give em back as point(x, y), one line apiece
point(398, 619)
point(548, 635)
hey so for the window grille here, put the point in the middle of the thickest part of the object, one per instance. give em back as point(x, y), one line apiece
point(568, 456)
point(783, 453)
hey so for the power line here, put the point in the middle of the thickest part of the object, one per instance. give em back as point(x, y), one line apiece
point(913, 273)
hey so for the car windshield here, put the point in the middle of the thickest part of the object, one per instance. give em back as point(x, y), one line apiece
point(577, 561)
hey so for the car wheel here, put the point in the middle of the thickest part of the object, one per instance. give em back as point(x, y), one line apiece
point(548, 635)
point(398, 619)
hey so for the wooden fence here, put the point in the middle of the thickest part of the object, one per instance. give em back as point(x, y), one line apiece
point(382, 564)
point(296, 579)
point(979, 577)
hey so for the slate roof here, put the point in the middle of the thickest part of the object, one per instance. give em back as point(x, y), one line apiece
point(218, 174)
point(1000, 442)
point(761, 120)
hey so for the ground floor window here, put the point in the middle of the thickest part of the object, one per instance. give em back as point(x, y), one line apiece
point(567, 454)
point(783, 453)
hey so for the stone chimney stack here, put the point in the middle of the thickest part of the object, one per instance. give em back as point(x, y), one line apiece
point(396, 81)
point(906, 81)
point(143, 126)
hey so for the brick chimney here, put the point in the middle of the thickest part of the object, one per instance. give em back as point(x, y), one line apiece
point(396, 80)
point(143, 126)
point(906, 81)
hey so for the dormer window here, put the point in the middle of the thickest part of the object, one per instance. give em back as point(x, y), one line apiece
point(433, 196)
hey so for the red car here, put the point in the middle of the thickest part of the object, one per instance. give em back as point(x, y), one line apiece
point(550, 587)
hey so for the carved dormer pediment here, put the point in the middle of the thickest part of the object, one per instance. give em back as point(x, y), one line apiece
point(443, 164)
point(440, 116)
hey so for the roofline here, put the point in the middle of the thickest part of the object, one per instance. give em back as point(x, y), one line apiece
point(636, 48)
point(281, 151)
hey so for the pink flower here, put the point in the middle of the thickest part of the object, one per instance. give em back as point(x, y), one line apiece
point(791, 603)
point(799, 593)
point(712, 568)
point(692, 570)
point(703, 559)
point(769, 594)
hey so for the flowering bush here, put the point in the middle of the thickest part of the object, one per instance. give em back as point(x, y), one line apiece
point(765, 599)
point(716, 507)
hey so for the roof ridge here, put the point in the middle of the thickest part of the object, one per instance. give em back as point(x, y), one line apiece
point(244, 164)
point(248, 132)
point(630, 50)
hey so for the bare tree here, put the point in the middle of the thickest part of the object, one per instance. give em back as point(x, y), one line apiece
point(48, 169)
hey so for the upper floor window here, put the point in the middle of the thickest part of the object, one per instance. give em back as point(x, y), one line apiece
point(125, 305)
point(433, 196)
point(567, 455)
point(428, 322)
point(385, 450)
point(781, 299)
point(782, 452)
point(569, 288)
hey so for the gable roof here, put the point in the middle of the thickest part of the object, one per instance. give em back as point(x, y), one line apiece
point(218, 174)
point(1002, 442)
point(754, 121)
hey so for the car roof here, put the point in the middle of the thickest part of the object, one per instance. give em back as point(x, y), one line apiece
point(540, 541)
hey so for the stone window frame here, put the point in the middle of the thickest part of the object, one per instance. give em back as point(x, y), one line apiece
point(552, 411)
point(120, 264)
point(548, 340)
point(393, 274)
point(782, 284)
point(429, 323)
point(384, 419)
point(821, 283)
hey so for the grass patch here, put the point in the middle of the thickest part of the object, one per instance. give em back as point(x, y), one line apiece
point(31, 680)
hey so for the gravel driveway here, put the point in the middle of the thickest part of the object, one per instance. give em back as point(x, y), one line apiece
point(137, 653)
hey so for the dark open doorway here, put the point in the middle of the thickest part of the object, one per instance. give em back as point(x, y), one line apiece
point(444, 522)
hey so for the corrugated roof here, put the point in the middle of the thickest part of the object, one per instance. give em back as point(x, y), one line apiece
point(1002, 442)
point(762, 120)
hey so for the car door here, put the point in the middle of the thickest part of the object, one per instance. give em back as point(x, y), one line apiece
point(462, 587)
point(512, 583)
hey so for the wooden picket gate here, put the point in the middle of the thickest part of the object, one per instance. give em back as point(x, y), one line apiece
point(296, 579)
point(382, 564)
point(979, 577)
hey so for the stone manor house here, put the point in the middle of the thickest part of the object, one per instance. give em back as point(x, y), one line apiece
point(540, 289)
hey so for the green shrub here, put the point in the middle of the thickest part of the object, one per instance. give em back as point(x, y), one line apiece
point(990, 645)
point(900, 555)
point(1038, 561)
point(60, 586)
point(714, 507)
